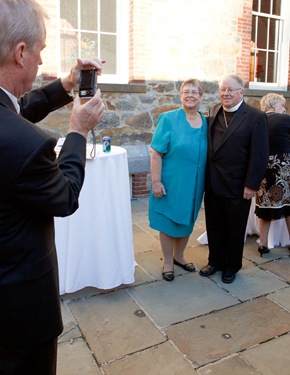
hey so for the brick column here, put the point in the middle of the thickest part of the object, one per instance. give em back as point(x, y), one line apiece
point(139, 185)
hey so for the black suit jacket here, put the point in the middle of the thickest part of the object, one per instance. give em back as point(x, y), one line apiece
point(241, 157)
point(34, 188)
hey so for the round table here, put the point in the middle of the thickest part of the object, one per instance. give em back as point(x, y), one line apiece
point(95, 244)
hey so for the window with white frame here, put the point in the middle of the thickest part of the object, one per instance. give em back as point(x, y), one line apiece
point(95, 28)
point(269, 44)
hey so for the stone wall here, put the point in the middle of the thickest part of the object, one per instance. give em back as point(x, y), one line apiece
point(130, 118)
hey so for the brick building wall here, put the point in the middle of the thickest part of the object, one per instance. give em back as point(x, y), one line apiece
point(244, 31)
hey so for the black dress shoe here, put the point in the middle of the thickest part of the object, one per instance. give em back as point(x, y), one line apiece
point(263, 250)
point(187, 267)
point(168, 276)
point(228, 277)
point(208, 270)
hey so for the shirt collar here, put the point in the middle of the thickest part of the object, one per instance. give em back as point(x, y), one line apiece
point(13, 99)
point(233, 109)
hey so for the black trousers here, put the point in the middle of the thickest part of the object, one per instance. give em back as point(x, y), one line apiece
point(39, 360)
point(226, 223)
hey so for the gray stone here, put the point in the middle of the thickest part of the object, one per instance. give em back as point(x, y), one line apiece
point(214, 336)
point(112, 327)
point(161, 359)
point(231, 366)
point(271, 357)
point(138, 158)
point(189, 296)
point(252, 283)
point(76, 359)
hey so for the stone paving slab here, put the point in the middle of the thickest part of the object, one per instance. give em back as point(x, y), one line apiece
point(176, 328)
point(251, 252)
point(114, 326)
point(220, 334)
point(75, 358)
point(282, 297)
point(252, 283)
point(230, 366)
point(151, 262)
point(142, 241)
point(70, 328)
point(150, 231)
point(183, 298)
point(139, 206)
point(161, 359)
point(270, 358)
point(142, 276)
point(279, 267)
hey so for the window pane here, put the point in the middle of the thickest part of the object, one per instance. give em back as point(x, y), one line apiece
point(272, 67)
point(261, 66)
point(89, 45)
point(265, 6)
point(262, 32)
point(274, 34)
point(255, 5)
point(69, 49)
point(108, 16)
point(277, 7)
point(89, 15)
point(108, 53)
point(69, 14)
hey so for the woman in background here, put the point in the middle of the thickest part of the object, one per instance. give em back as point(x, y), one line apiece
point(273, 197)
point(178, 159)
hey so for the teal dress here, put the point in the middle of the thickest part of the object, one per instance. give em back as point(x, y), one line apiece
point(184, 152)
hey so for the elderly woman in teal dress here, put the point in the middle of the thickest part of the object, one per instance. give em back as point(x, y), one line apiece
point(178, 158)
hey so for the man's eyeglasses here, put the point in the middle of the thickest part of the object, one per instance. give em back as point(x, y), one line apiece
point(230, 91)
point(190, 92)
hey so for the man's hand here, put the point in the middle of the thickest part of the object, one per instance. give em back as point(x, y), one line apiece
point(85, 117)
point(249, 193)
point(72, 80)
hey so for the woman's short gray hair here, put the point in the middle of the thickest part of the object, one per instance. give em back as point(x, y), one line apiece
point(20, 20)
point(269, 101)
point(193, 82)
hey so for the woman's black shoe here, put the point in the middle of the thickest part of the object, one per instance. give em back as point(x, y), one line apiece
point(187, 267)
point(168, 276)
point(263, 250)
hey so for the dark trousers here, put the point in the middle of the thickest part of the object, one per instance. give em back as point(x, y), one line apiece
point(226, 223)
point(39, 360)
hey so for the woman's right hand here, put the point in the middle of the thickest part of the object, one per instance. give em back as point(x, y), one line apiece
point(158, 190)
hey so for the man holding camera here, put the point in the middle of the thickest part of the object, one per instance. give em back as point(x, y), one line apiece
point(34, 188)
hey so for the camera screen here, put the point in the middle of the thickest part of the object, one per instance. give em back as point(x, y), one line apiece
point(87, 79)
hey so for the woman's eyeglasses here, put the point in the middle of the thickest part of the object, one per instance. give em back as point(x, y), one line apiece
point(190, 92)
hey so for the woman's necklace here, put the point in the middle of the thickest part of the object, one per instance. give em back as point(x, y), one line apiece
point(192, 117)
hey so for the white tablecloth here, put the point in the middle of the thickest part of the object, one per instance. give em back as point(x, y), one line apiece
point(278, 233)
point(95, 244)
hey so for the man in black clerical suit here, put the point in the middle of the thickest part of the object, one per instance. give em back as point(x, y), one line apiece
point(34, 188)
point(237, 159)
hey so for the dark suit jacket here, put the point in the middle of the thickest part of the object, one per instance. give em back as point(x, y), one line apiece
point(34, 188)
point(241, 157)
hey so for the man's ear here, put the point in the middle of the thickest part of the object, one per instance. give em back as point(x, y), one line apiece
point(19, 53)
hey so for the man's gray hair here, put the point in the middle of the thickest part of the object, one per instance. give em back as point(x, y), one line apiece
point(20, 20)
point(234, 77)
